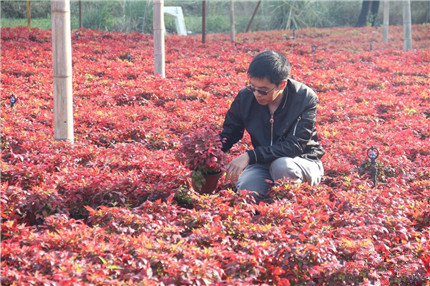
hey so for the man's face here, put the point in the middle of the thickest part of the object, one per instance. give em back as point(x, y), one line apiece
point(264, 90)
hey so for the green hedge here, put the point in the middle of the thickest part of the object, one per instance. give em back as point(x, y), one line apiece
point(133, 15)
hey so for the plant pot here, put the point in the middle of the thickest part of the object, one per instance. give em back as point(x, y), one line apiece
point(208, 185)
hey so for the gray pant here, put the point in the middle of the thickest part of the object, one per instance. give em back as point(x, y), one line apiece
point(259, 178)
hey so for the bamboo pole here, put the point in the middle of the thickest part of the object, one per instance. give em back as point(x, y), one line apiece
point(407, 25)
point(386, 21)
point(158, 23)
point(62, 64)
point(232, 30)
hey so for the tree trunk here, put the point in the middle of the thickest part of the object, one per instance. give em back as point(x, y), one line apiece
point(232, 31)
point(428, 14)
point(386, 21)
point(62, 63)
point(158, 24)
point(28, 15)
point(374, 12)
point(80, 14)
point(362, 19)
point(204, 21)
point(407, 26)
point(373, 6)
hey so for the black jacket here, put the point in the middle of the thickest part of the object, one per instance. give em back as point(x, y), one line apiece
point(291, 133)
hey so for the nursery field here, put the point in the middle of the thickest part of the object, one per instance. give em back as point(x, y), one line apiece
point(116, 207)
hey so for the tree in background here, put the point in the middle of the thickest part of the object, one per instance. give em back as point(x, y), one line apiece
point(294, 14)
point(364, 18)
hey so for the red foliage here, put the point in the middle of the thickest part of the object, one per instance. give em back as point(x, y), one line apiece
point(115, 207)
point(201, 150)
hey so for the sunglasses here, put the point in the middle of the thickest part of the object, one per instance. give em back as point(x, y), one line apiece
point(262, 92)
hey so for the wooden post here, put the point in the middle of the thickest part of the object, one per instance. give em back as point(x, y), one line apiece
point(253, 15)
point(204, 21)
point(28, 15)
point(386, 21)
point(232, 30)
point(158, 24)
point(62, 62)
point(407, 25)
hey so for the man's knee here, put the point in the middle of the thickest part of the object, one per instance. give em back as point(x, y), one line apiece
point(286, 168)
point(297, 170)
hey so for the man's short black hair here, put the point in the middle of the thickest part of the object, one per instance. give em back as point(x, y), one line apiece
point(271, 65)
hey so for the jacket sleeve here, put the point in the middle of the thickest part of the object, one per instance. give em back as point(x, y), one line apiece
point(294, 142)
point(233, 127)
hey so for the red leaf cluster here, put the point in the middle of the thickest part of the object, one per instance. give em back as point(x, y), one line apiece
point(201, 150)
point(115, 207)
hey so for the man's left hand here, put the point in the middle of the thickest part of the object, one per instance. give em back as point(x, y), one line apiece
point(236, 167)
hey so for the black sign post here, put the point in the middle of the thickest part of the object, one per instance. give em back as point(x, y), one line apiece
point(373, 153)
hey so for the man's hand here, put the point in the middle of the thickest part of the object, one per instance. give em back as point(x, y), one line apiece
point(236, 167)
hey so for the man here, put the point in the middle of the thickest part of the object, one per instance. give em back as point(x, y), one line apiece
point(280, 116)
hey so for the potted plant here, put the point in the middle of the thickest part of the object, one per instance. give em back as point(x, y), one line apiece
point(201, 153)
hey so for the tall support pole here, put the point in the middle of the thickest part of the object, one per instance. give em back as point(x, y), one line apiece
point(386, 21)
point(158, 23)
point(62, 61)
point(80, 14)
point(204, 21)
point(407, 25)
point(253, 15)
point(28, 15)
point(232, 30)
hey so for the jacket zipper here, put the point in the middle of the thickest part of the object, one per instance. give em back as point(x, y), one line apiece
point(272, 120)
point(295, 126)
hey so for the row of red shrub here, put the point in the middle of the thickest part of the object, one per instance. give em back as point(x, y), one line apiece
point(116, 208)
